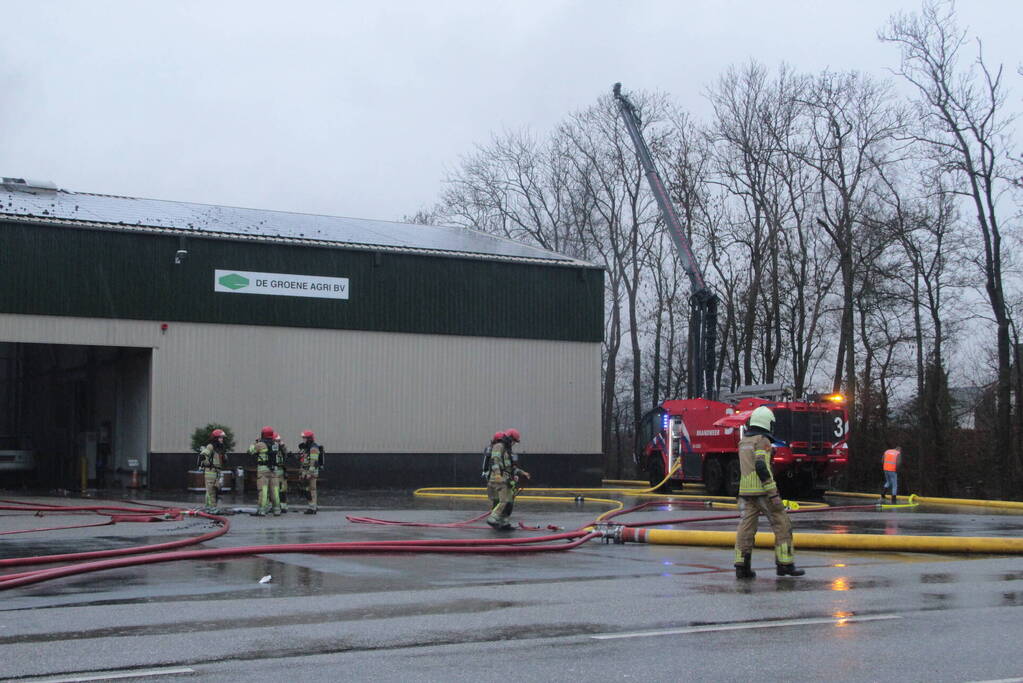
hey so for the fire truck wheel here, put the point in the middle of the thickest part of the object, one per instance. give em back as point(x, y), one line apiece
point(732, 476)
point(714, 477)
point(655, 471)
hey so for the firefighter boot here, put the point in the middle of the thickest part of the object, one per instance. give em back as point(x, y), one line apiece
point(895, 499)
point(743, 571)
point(788, 570)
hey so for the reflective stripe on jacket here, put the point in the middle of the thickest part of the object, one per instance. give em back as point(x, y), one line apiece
point(751, 449)
point(266, 453)
point(891, 460)
point(501, 466)
point(309, 456)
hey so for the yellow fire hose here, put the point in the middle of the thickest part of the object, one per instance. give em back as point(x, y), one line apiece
point(479, 493)
point(440, 492)
point(877, 542)
point(913, 498)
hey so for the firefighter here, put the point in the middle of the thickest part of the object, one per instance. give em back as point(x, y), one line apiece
point(267, 455)
point(890, 462)
point(497, 438)
point(504, 477)
point(281, 472)
point(758, 494)
point(310, 460)
point(511, 437)
point(213, 460)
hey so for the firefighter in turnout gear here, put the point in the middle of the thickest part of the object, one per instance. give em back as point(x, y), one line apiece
point(267, 456)
point(282, 472)
point(758, 494)
point(213, 460)
point(504, 478)
point(310, 460)
point(497, 438)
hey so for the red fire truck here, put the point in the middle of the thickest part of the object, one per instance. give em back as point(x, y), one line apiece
point(703, 435)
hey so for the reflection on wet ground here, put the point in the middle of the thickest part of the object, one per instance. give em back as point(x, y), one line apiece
point(303, 574)
point(382, 611)
point(784, 584)
point(937, 578)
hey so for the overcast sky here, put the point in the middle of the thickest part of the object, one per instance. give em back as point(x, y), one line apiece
point(361, 108)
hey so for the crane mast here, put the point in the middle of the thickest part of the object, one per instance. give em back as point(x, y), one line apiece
point(703, 303)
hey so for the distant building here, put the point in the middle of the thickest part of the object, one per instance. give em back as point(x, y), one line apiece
point(126, 323)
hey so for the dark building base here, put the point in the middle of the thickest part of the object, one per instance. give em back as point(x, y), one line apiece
point(169, 471)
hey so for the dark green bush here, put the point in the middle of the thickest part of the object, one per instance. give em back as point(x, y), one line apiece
point(201, 436)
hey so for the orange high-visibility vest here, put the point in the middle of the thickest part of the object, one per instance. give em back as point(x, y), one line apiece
point(891, 460)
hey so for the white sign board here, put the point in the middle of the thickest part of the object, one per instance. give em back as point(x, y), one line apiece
point(280, 284)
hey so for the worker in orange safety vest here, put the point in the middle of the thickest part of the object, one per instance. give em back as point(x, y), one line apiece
point(890, 462)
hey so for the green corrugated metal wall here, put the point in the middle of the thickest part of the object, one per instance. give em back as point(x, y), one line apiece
point(72, 271)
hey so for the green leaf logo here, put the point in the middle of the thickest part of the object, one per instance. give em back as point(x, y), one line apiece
point(234, 281)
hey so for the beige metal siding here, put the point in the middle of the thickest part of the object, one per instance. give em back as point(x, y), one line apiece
point(365, 392)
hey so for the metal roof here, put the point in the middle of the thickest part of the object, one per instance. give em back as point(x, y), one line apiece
point(22, 201)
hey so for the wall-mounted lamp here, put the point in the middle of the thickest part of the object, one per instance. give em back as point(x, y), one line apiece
point(181, 253)
point(163, 328)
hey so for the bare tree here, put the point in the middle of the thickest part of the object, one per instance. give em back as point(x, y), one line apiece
point(853, 127)
point(931, 270)
point(747, 108)
point(963, 122)
point(520, 188)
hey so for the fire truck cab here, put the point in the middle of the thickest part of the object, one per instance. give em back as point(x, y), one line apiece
point(703, 437)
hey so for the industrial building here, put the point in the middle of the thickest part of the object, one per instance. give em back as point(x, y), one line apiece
point(127, 323)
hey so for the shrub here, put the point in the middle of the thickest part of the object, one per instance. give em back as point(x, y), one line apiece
point(201, 436)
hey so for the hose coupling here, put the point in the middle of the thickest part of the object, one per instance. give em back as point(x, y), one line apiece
point(610, 533)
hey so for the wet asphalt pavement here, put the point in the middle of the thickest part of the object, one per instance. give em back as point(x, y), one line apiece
point(603, 612)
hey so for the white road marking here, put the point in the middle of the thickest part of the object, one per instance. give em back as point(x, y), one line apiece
point(111, 675)
point(749, 625)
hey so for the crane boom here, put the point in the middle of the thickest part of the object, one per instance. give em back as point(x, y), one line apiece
point(703, 302)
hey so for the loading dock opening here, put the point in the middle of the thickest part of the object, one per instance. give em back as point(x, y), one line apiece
point(68, 410)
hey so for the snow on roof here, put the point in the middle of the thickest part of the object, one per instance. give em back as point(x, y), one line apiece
point(41, 202)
